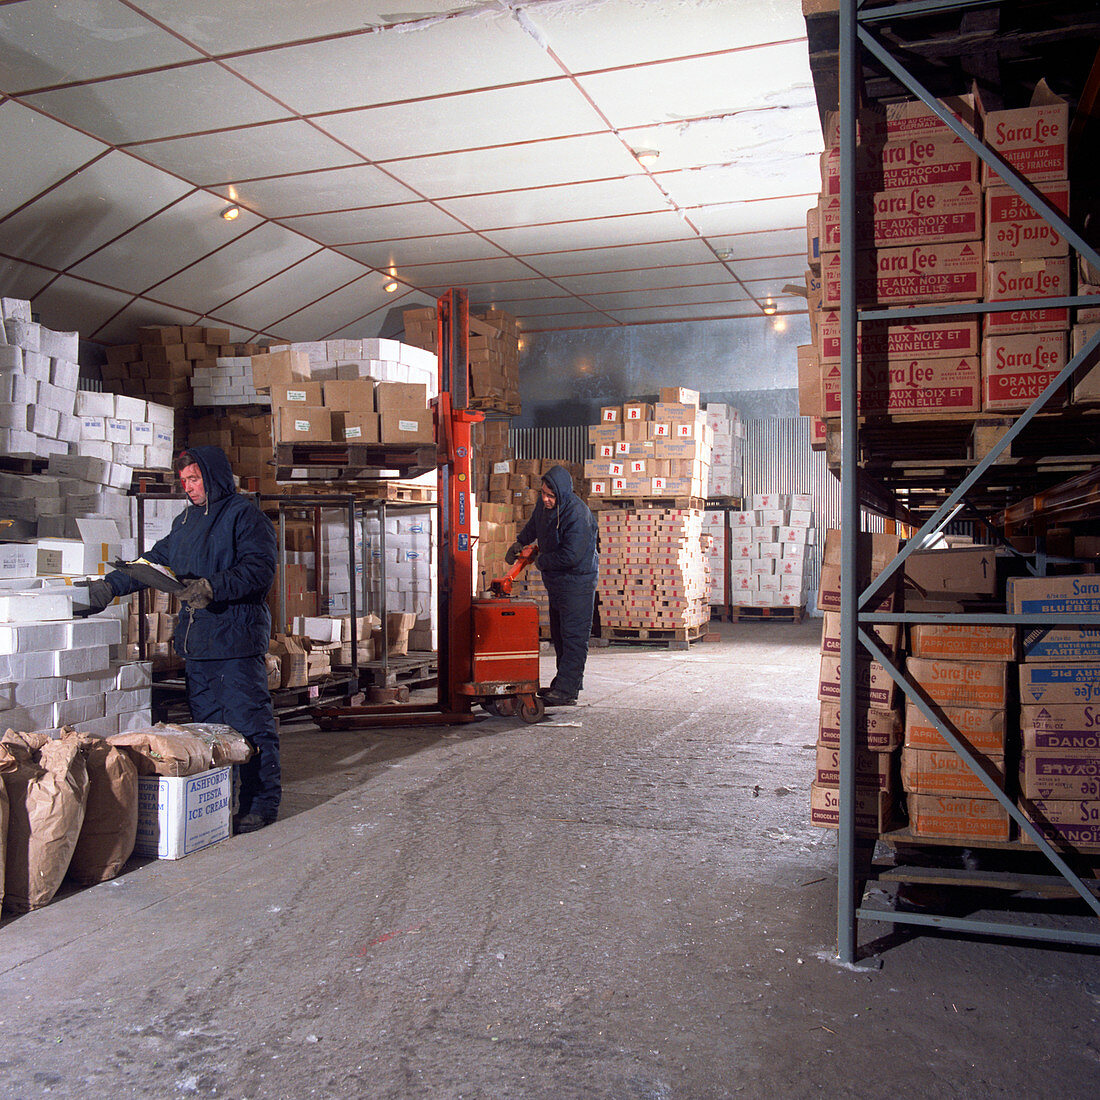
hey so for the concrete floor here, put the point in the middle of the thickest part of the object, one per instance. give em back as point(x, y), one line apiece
point(625, 901)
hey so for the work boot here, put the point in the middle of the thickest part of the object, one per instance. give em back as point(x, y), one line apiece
point(250, 822)
point(554, 698)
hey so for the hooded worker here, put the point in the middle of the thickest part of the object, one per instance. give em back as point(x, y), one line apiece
point(564, 529)
point(222, 547)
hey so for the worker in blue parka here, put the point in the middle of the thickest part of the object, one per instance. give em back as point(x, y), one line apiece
point(565, 530)
point(223, 548)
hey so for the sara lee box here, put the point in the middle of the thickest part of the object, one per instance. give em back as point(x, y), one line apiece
point(952, 272)
point(906, 118)
point(1060, 685)
point(1009, 280)
point(875, 687)
point(897, 386)
point(983, 730)
point(1014, 230)
point(873, 769)
point(979, 684)
point(179, 816)
point(1060, 775)
point(908, 162)
point(876, 730)
point(909, 215)
point(873, 810)
point(1073, 727)
point(950, 339)
point(949, 817)
point(888, 634)
point(1033, 140)
point(1017, 368)
point(1072, 820)
point(942, 771)
point(1057, 644)
point(965, 642)
point(875, 551)
point(1043, 595)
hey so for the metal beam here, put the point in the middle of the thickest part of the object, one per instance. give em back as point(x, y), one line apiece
point(985, 928)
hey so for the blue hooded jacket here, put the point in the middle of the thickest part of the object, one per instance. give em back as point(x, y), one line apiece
point(231, 543)
point(566, 534)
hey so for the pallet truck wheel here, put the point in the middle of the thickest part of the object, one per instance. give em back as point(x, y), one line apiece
point(533, 713)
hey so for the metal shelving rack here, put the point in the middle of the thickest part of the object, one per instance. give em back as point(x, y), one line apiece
point(856, 40)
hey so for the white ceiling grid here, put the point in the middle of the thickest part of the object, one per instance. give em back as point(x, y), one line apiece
point(479, 143)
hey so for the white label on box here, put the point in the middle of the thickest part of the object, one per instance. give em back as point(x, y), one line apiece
point(296, 395)
point(662, 431)
point(622, 447)
point(607, 450)
point(634, 414)
point(611, 416)
point(408, 425)
point(353, 433)
point(301, 425)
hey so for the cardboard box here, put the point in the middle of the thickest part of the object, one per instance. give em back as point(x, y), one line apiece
point(1069, 821)
point(1072, 727)
point(946, 817)
point(875, 551)
point(876, 730)
point(179, 816)
point(915, 274)
point(1009, 280)
point(875, 687)
point(873, 769)
point(965, 572)
point(355, 395)
point(1045, 595)
point(401, 397)
point(296, 394)
point(1014, 230)
point(888, 634)
point(909, 215)
point(1033, 140)
point(965, 642)
point(356, 427)
point(906, 163)
point(983, 730)
point(877, 340)
point(979, 684)
point(809, 380)
point(273, 368)
point(1059, 684)
point(677, 395)
point(1058, 644)
point(943, 771)
point(305, 424)
point(906, 118)
point(908, 385)
point(1017, 368)
point(1060, 775)
point(874, 809)
point(407, 425)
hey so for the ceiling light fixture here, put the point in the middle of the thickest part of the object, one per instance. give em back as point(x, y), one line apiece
point(646, 157)
point(779, 324)
point(769, 306)
point(391, 286)
point(231, 213)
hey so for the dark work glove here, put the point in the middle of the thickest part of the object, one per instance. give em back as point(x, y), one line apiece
point(100, 594)
point(197, 593)
point(514, 552)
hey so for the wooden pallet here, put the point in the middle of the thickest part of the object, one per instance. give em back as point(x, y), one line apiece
point(414, 669)
point(759, 614)
point(154, 483)
point(607, 503)
point(351, 462)
point(721, 612)
point(669, 637)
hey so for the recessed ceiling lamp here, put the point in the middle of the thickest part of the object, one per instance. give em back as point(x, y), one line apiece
point(391, 286)
point(769, 306)
point(646, 157)
point(231, 213)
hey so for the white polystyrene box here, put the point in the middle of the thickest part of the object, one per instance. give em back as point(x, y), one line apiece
point(15, 307)
point(30, 637)
point(23, 333)
point(87, 708)
point(64, 373)
point(90, 403)
point(29, 607)
point(130, 408)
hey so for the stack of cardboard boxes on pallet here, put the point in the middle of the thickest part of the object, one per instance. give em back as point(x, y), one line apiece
point(936, 225)
point(770, 547)
point(725, 480)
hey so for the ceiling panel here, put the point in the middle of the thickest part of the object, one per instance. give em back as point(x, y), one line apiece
point(782, 267)
point(330, 189)
point(465, 274)
point(629, 32)
point(533, 322)
point(280, 297)
point(599, 232)
point(93, 207)
point(123, 328)
point(278, 149)
point(587, 260)
point(536, 164)
point(72, 304)
point(753, 178)
point(20, 280)
point(533, 307)
point(237, 268)
point(174, 101)
point(382, 223)
point(686, 312)
point(396, 255)
point(517, 290)
point(183, 234)
point(750, 217)
point(385, 320)
point(337, 312)
point(447, 56)
point(773, 242)
point(651, 279)
point(722, 292)
point(633, 195)
point(46, 44)
point(498, 117)
point(57, 152)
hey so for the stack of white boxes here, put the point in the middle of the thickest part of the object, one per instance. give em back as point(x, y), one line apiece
point(717, 546)
point(770, 551)
point(228, 382)
point(382, 360)
point(727, 431)
point(125, 430)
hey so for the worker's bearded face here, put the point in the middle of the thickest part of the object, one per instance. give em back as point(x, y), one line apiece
point(549, 500)
point(192, 484)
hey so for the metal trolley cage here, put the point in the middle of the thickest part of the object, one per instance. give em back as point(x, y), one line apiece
point(856, 620)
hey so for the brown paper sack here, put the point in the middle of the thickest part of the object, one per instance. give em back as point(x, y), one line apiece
point(110, 821)
point(227, 746)
point(47, 795)
point(8, 763)
point(171, 753)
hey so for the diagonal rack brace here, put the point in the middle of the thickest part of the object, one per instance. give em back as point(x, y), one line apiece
point(946, 510)
point(975, 765)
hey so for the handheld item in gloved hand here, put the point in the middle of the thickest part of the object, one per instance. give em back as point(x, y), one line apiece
point(149, 573)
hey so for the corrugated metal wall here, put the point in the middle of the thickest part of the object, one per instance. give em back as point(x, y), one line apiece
point(567, 444)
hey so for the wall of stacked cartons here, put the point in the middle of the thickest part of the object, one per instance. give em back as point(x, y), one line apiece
point(770, 548)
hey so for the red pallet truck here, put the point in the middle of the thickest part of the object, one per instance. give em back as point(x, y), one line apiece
point(489, 645)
